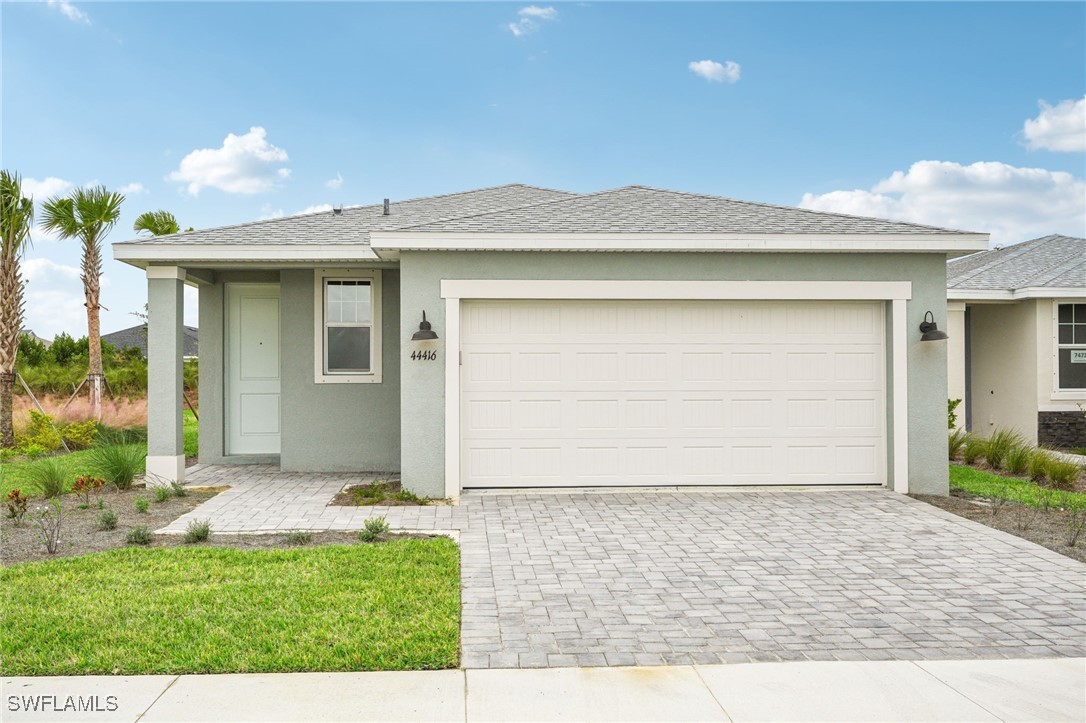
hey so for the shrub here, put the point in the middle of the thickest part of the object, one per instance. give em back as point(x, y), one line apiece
point(1062, 474)
point(139, 536)
point(49, 519)
point(1000, 444)
point(118, 464)
point(85, 486)
point(162, 493)
point(142, 505)
point(197, 531)
point(48, 476)
point(107, 520)
point(1018, 459)
point(32, 451)
point(1038, 465)
point(16, 506)
point(8, 453)
point(373, 529)
point(80, 435)
point(973, 450)
point(951, 413)
point(41, 432)
point(297, 537)
point(956, 441)
point(178, 488)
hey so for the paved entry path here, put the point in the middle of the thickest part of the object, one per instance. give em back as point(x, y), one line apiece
point(706, 577)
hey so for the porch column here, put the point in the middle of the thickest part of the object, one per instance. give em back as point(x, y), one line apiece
point(955, 354)
point(165, 375)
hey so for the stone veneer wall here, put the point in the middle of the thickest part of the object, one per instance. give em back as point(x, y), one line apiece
point(1061, 429)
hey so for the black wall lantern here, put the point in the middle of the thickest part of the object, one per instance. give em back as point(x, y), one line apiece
point(929, 330)
point(425, 333)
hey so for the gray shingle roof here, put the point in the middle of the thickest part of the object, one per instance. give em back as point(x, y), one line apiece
point(639, 209)
point(136, 336)
point(1047, 262)
point(353, 226)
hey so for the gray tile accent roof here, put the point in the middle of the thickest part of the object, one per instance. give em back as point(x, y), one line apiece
point(136, 336)
point(1050, 261)
point(639, 209)
point(353, 226)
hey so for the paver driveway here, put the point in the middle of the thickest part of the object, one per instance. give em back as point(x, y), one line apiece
point(671, 577)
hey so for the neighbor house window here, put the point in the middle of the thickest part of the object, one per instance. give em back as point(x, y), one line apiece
point(348, 326)
point(1071, 346)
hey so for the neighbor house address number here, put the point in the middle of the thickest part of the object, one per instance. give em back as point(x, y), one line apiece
point(427, 355)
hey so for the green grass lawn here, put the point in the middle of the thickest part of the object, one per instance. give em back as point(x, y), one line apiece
point(13, 474)
point(388, 606)
point(978, 482)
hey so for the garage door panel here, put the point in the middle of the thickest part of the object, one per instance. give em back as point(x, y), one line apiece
point(565, 393)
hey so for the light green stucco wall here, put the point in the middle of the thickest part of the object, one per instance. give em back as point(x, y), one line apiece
point(325, 427)
point(1003, 357)
point(423, 393)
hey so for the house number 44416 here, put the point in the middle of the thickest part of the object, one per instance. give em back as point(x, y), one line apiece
point(428, 355)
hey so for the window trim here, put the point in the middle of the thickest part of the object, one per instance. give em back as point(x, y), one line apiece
point(1058, 392)
point(320, 277)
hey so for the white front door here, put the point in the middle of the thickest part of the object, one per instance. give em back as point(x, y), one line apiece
point(252, 369)
point(596, 393)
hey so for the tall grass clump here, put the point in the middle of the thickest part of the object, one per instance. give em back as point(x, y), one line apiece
point(48, 476)
point(956, 441)
point(1000, 445)
point(974, 449)
point(1062, 474)
point(1039, 459)
point(119, 464)
point(1018, 459)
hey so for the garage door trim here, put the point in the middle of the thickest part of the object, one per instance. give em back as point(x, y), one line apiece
point(895, 292)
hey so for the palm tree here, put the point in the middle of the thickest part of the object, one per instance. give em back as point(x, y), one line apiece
point(16, 217)
point(156, 223)
point(87, 214)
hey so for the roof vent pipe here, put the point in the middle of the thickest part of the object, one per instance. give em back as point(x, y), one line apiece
point(386, 207)
point(337, 211)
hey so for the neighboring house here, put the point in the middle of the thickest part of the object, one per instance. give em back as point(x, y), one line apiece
point(628, 337)
point(44, 342)
point(1017, 352)
point(136, 336)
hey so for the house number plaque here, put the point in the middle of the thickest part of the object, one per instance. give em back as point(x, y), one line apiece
point(424, 355)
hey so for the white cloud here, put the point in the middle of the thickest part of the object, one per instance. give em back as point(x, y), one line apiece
point(1058, 128)
point(54, 298)
point(46, 188)
point(715, 72)
point(335, 183)
point(69, 11)
point(319, 208)
point(1012, 204)
point(246, 164)
point(267, 212)
point(132, 189)
point(530, 19)
point(44, 269)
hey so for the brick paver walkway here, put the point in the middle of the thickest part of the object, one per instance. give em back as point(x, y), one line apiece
point(665, 577)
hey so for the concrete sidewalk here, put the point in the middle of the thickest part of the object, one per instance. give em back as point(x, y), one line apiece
point(960, 690)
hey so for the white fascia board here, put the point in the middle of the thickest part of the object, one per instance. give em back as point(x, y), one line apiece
point(1029, 292)
point(686, 290)
point(188, 254)
point(954, 244)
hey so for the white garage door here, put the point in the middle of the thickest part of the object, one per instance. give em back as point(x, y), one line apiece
point(608, 393)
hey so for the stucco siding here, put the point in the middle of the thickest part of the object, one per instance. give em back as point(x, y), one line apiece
point(423, 395)
point(1003, 365)
point(337, 427)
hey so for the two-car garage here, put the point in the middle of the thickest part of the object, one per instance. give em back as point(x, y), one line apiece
point(661, 392)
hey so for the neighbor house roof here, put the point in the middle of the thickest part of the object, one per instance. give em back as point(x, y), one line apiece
point(634, 218)
point(1044, 267)
point(136, 336)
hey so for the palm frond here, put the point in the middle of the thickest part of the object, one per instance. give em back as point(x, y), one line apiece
point(156, 223)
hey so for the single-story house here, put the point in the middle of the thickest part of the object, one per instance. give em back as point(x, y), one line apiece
point(136, 337)
point(520, 337)
point(34, 337)
point(1017, 348)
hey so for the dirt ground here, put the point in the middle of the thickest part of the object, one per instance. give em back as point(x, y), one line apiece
point(1048, 529)
point(78, 529)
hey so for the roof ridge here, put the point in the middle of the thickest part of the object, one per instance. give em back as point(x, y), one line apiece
point(354, 207)
point(782, 207)
point(1001, 255)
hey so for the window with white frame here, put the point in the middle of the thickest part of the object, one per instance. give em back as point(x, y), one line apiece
point(348, 326)
point(1071, 346)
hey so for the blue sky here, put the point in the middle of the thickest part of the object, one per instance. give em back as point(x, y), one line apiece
point(967, 115)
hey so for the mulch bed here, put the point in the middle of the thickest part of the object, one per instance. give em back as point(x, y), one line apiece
point(78, 532)
point(1046, 528)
